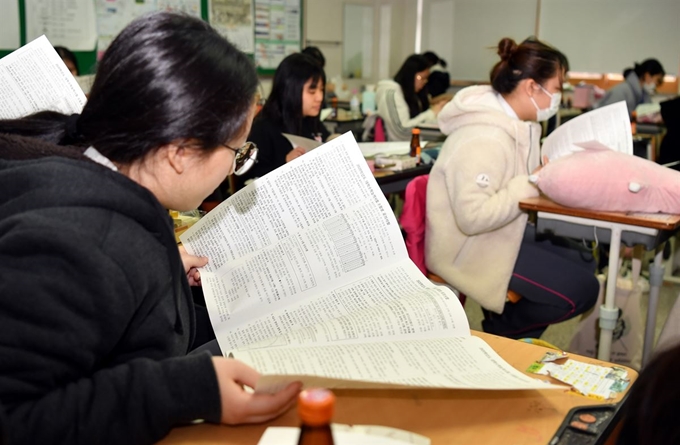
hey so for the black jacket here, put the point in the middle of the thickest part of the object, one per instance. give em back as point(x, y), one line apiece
point(273, 145)
point(96, 314)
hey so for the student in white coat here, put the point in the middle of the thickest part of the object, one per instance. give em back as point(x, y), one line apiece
point(477, 238)
point(397, 99)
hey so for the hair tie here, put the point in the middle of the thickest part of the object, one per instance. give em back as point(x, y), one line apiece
point(71, 126)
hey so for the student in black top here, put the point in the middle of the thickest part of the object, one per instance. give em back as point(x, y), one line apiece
point(293, 107)
point(95, 306)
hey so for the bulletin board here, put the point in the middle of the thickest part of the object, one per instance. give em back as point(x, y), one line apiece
point(269, 30)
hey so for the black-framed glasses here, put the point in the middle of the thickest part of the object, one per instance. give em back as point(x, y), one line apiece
point(245, 157)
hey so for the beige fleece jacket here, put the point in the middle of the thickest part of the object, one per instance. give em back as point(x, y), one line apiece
point(474, 224)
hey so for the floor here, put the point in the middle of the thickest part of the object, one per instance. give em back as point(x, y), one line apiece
point(560, 334)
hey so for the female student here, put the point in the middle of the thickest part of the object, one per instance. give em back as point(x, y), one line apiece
point(69, 59)
point(95, 306)
point(639, 85)
point(293, 107)
point(476, 237)
point(398, 102)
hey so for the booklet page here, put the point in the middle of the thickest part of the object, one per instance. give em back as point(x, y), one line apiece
point(610, 126)
point(34, 78)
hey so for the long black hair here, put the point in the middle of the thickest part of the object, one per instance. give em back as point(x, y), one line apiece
point(166, 78)
point(650, 66)
point(284, 104)
point(531, 59)
point(406, 76)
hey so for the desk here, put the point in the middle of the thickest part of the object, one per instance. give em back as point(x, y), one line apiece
point(649, 230)
point(344, 124)
point(445, 416)
point(395, 182)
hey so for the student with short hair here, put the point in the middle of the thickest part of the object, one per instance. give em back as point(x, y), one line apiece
point(293, 107)
point(96, 311)
point(639, 85)
point(477, 238)
point(398, 102)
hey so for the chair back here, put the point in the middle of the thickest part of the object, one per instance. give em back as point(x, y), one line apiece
point(412, 220)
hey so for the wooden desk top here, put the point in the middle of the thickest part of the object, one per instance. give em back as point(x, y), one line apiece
point(659, 221)
point(445, 416)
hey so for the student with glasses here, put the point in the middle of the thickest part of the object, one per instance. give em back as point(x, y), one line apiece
point(95, 304)
point(399, 103)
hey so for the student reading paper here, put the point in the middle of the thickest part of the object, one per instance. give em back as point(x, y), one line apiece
point(95, 307)
point(309, 279)
point(477, 238)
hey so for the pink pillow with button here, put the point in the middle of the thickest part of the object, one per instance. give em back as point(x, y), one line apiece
point(607, 180)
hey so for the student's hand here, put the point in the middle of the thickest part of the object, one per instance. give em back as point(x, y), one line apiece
point(295, 153)
point(239, 406)
point(191, 264)
point(438, 107)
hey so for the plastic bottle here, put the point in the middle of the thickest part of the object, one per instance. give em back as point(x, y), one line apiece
point(414, 152)
point(334, 105)
point(315, 408)
point(368, 100)
point(354, 105)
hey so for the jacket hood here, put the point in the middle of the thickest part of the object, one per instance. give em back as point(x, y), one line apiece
point(477, 105)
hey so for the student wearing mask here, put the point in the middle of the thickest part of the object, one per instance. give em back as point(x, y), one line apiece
point(398, 102)
point(293, 107)
point(639, 86)
point(95, 306)
point(477, 238)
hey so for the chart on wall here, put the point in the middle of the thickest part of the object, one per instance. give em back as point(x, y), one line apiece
point(68, 23)
point(114, 15)
point(234, 20)
point(277, 31)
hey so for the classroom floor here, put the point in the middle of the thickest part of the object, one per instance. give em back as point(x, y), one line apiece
point(560, 334)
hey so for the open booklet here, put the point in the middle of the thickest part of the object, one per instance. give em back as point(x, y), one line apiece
point(34, 78)
point(608, 126)
point(309, 279)
point(300, 141)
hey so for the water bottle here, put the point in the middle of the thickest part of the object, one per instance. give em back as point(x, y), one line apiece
point(354, 105)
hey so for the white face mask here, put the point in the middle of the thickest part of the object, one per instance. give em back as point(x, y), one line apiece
point(543, 114)
point(650, 88)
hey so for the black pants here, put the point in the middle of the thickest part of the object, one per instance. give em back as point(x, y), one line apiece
point(556, 279)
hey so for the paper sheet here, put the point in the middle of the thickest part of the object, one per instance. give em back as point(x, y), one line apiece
point(347, 435)
point(34, 78)
point(369, 149)
point(299, 141)
point(610, 126)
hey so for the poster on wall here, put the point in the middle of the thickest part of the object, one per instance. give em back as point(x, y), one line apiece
point(114, 15)
point(277, 31)
point(69, 23)
point(234, 20)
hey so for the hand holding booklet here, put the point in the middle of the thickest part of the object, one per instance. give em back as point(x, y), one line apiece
point(309, 280)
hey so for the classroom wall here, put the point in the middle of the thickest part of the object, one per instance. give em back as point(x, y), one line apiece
point(601, 36)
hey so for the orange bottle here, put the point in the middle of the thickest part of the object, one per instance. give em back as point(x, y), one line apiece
point(315, 408)
point(415, 145)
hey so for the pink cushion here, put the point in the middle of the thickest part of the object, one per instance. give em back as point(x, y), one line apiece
point(608, 180)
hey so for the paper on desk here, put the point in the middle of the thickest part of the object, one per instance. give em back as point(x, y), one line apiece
point(325, 113)
point(609, 125)
point(34, 78)
point(590, 380)
point(369, 149)
point(347, 435)
point(299, 141)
